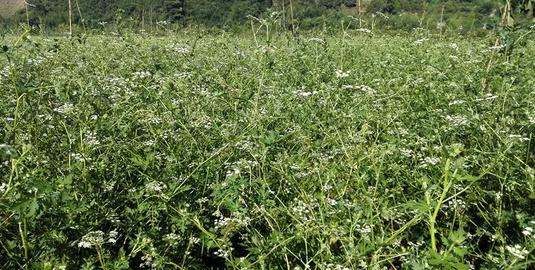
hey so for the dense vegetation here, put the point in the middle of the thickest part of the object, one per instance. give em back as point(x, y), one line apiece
point(307, 14)
point(195, 150)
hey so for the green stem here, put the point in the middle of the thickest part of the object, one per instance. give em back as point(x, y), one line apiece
point(22, 231)
point(433, 217)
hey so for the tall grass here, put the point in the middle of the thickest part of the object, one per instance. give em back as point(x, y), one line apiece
point(199, 151)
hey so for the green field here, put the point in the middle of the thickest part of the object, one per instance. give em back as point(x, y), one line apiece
point(199, 151)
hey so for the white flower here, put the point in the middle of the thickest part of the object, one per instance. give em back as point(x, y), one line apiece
point(326, 187)
point(341, 74)
point(65, 108)
point(94, 238)
point(456, 102)
point(181, 49)
point(155, 186)
point(497, 47)
point(406, 152)
point(517, 251)
point(420, 41)
point(364, 30)
point(235, 171)
point(430, 161)
point(488, 96)
point(332, 202)
point(364, 229)
point(366, 89)
point(162, 23)
point(527, 231)
point(318, 40)
point(457, 120)
point(304, 94)
point(518, 137)
point(112, 236)
point(170, 237)
point(91, 139)
point(141, 75)
point(84, 244)
point(147, 261)
point(222, 253)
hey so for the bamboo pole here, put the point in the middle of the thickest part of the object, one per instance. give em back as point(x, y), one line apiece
point(80, 14)
point(70, 18)
point(292, 17)
point(27, 13)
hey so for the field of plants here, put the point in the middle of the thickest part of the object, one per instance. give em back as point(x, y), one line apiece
point(204, 150)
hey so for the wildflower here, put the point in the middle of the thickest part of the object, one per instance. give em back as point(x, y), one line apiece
point(3, 188)
point(364, 229)
point(141, 75)
point(162, 23)
point(456, 102)
point(366, 89)
point(147, 261)
point(65, 108)
point(233, 172)
point(84, 244)
point(194, 240)
point(112, 236)
point(406, 152)
point(518, 137)
point(94, 238)
point(332, 202)
point(304, 94)
point(457, 120)
point(326, 187)
point(488, 96)
point(222, 253)
point(364, 30)
point(202, 200)
point(517, 251)
point(420, 41)
point(430, 161)
point(341, 74)
point(149, 143)
point(181, 49)
point(91, 139)
point(156, 187)
point(77, 157)
point(171, 237)
point(527, 231)
point(497, 47)
point(318, 40)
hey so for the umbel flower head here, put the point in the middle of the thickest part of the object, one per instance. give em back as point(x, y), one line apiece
point(8, 8)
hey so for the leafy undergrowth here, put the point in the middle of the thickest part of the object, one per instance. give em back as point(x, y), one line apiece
point(216, 151)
